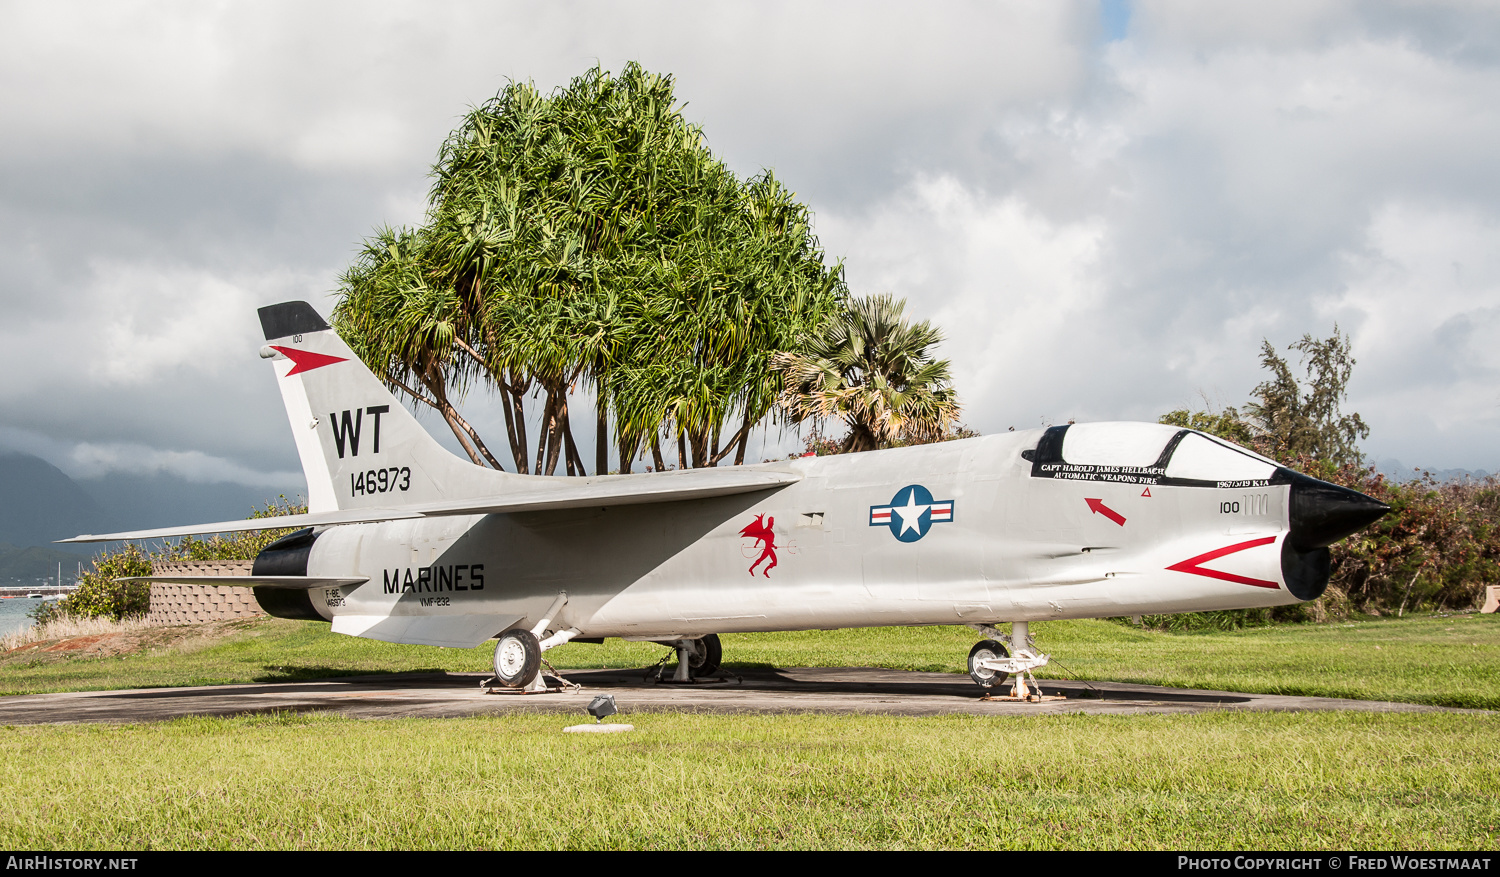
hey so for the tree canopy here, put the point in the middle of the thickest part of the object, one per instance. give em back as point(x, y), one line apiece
point(872, 369)
point(589, 237)
point(1290, 419)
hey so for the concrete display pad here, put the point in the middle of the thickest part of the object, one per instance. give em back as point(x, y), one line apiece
point(812, 690)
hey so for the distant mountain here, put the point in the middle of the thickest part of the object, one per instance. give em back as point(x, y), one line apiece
point(136, 502)
point(39, 503)
point(31, 565)
point(1398, 471)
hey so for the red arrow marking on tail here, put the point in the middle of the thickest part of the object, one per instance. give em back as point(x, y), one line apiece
point(1191, 565)
point(1101, 509)
point(305, 360)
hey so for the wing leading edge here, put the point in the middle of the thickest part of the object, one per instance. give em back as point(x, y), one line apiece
point(549, 494)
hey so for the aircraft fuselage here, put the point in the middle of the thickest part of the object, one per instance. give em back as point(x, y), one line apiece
point(981, 539)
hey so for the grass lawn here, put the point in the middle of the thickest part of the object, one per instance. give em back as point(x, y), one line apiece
point(1446, 661)
point(1299, 781)
point(1302, 781)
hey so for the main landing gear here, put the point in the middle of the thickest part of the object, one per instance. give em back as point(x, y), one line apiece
point(518, 654)
point(999, 657)
point(696, 658)
point(518, 658)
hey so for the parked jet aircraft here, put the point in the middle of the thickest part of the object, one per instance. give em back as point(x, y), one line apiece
point(407, 543)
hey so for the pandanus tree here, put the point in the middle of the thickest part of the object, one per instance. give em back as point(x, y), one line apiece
point(409, 330)
point(874, 371)
point(589, 239)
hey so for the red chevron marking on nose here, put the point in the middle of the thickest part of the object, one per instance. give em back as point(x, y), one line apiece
point(1192, 564)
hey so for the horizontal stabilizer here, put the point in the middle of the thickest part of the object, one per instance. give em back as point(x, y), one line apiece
point(291, 583)
point(542, 493)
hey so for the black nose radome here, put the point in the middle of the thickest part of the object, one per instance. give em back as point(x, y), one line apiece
point(1323, 513)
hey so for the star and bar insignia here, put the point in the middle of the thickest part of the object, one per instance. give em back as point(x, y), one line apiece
point(911, 513)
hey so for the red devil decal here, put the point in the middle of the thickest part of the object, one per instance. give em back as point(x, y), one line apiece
point(763, 535)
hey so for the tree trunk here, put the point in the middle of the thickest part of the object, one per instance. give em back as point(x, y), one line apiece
point(449, 415)
point(601, 437)
point(544, 434)
point(738, 440)
point(517, 451)
point(479, 444)
point(860, 438)
point(460, 427)
point(575, 461)
point(739, 456)
point(518, 405)
point(554, 435)
point(628, 449)
point(713, 447)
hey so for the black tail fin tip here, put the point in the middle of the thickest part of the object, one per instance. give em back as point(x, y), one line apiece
point(290, 318)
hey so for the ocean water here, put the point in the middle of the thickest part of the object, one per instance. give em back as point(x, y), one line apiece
point(14, 614)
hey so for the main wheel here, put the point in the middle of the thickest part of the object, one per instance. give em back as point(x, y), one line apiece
point(983, 651)
point(708, 655)
point(518, 658)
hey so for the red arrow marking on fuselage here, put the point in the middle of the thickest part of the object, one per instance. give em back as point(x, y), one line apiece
point(1191, 565)
point(1101, 509)
point(305, 360)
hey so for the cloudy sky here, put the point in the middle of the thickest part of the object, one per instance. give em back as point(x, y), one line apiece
point(1106, 206)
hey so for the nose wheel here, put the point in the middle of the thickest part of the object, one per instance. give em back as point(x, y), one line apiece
point(1002, 657)
point(982, 659)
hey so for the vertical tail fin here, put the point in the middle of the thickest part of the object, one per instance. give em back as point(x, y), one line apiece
point(360, 447)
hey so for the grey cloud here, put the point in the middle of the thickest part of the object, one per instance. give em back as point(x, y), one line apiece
point(1104, 229)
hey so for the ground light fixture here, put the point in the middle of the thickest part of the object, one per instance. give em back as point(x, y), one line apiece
point(601, 708)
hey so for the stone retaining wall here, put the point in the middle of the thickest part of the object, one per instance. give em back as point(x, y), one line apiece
point(188, 604)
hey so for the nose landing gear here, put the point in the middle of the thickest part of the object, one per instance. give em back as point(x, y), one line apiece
point(999, 657)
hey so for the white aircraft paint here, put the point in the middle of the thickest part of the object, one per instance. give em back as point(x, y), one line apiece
point(407, 543)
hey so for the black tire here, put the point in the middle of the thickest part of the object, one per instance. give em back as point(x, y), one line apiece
point(518, 658)
point(983, 650)
point(708, 656)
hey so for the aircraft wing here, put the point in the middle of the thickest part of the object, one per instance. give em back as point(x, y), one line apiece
point(659, 487)
point(548, 494)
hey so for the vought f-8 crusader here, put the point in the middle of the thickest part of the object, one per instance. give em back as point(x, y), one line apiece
point(407, 543)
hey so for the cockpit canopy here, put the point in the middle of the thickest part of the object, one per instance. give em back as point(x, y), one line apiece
point(1145, 452)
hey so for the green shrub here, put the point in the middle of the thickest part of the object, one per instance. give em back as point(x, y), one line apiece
point(234, 546)
point(1436, 550)
point(100, 594)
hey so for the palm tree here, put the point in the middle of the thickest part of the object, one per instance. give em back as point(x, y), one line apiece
point(873, 370)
